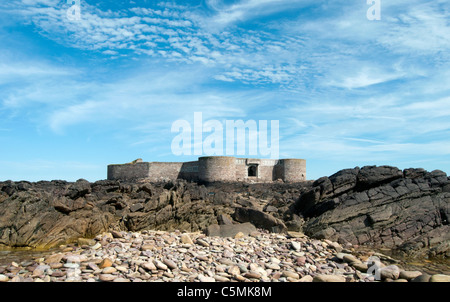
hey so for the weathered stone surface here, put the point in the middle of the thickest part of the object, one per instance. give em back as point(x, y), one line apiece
point(382, 207)
point(230, 230)
point(116, 234)
point(372, 176)
point(170, 264)
point(107, 277)
point(86, 241)
point(234, 270)
point(421, 278)
point(4, 278)
point(55, 258)
point(136, 207)
point(291, 274)
point(349, 258)
point(224, 219)
point(204, 278)
point(40, 270)
point(259, 219)
point(295, 245)
point(105, 263)
point(390, 272)
point(409, 275)
point(160, 265)
point(306, 278)
point(440, 278)
point(47, 214)
point(328, 278)
point(109, 270)
point(148, 266)
point(360, 266)
point(186, 239)
point(79, 189)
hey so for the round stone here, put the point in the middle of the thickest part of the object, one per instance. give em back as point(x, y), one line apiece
point(350, 259)
point(234, 270)
point(390, 272)
point(204, 278)
point(186, 239)
point(171, 264)
point(160, 265)
point(107, 277)
point(72, 265)
point(328, 278)
point(408, 275)
point(271, 265)
point(252, 275)
point(109, 270)
point(105, 263)
point(120, 279)
point(440, 278)
point(290, 275)
point(96, 246)
point(4, 278)
point(295, 245)
point(306, 278)
point(221, 278)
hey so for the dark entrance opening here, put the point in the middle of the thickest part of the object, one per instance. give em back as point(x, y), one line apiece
point(253, 171)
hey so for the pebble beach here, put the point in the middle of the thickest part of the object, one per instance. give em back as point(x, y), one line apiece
point(152, 256)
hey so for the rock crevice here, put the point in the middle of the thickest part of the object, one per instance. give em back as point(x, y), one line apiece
point(380, 206)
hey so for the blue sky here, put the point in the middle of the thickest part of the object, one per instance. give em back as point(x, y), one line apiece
point(76, 96)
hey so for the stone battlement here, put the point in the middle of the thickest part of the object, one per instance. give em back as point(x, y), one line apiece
point(213, 168)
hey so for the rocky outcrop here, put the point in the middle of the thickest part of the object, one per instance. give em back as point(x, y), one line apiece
point(381, 206)
point(378, 206)
point(46, 214)
point(259, 219)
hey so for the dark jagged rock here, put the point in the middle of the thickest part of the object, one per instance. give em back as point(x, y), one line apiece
point(259, 219)
point(79, 189)
point(344, 180)
point(381, 206)
point(373, 176)
point(47, 214)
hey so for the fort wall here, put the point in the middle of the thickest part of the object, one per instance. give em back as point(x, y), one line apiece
point(213, 168)
point(128, 171)
point(189, 171)
point(217, 168)
point(159, 171)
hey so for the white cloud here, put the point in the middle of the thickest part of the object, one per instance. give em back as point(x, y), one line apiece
point(41, 2)
point(176, 34)
point(29, 70)
point(246, 9)
point(364, 77)
point(78, 113)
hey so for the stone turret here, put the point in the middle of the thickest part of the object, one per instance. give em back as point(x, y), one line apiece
point(217, 168)
point(294, 170)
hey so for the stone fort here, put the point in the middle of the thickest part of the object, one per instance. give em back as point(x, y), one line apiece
point(213, 168)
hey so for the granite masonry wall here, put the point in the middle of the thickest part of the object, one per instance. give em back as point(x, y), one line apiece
point(213, 168)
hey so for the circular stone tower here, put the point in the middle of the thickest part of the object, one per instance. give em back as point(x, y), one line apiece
point(294, 170)
point(217, 168)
